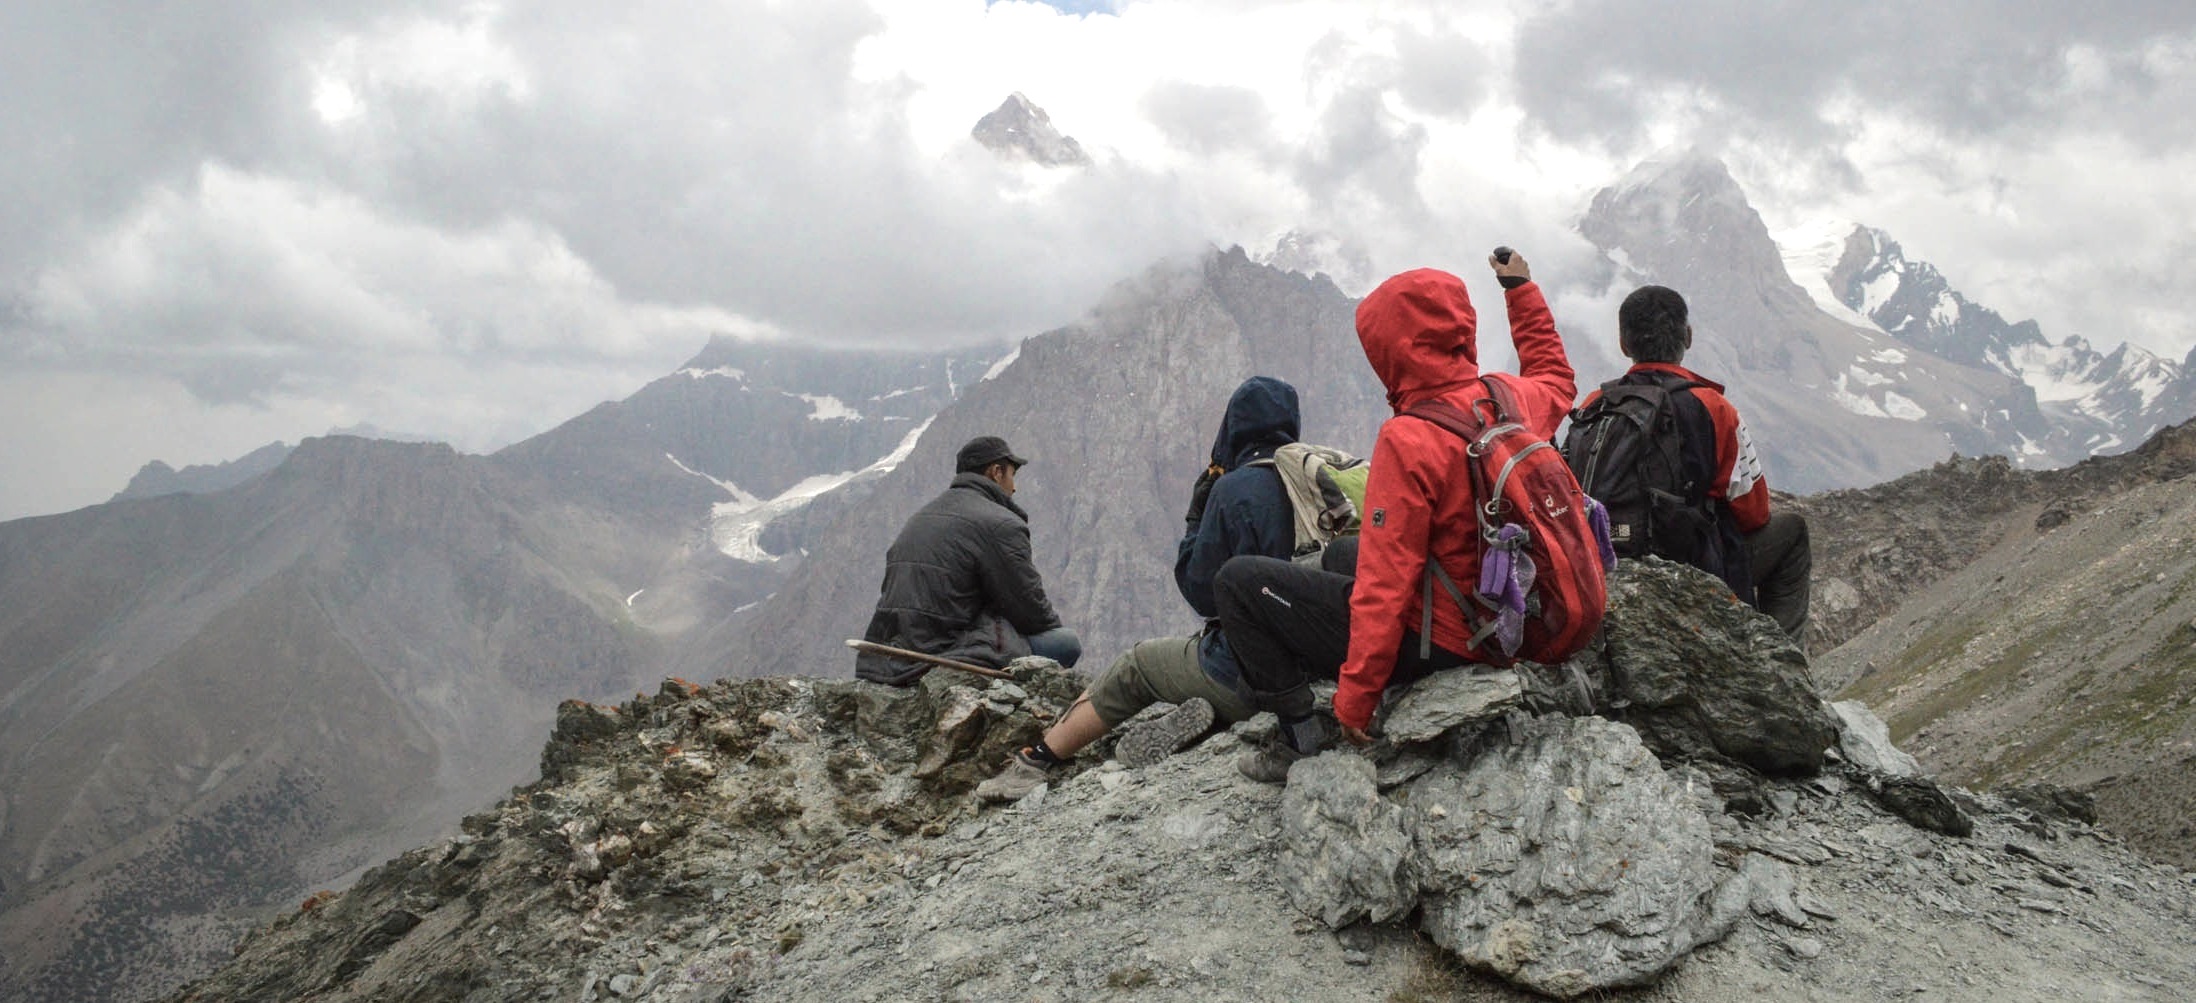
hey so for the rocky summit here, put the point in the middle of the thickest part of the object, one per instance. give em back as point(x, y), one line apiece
point(789, 839)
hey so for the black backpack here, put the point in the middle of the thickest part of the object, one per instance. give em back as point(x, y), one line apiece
point(1646, 449)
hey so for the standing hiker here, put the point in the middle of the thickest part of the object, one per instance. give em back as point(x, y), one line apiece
point(1291, 624)
point(1238, 506)
point(960, 581)
point(1666, 452)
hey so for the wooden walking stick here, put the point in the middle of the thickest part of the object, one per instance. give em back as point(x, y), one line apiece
point(916, 656)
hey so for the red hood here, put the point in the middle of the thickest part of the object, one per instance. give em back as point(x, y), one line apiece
point(1420, 334)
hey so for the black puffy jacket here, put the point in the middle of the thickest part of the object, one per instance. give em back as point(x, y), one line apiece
point(959, 582)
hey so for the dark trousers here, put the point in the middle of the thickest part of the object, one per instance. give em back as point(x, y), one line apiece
point(1290, 625)
point(1782, 560)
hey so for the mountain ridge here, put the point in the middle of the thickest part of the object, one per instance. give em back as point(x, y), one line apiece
point(188, 671)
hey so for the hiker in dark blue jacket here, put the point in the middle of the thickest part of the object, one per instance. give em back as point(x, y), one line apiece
point(1238, 506)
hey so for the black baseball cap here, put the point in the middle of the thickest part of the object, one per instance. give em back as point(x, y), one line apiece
point(983, 451)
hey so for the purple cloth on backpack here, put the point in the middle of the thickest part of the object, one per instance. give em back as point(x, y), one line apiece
point(1597, 516)
point(1506, 574)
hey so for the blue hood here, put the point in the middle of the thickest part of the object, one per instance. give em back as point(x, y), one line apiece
point(1262, 415)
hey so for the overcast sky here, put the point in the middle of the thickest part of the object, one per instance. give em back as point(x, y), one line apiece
point(224, 223)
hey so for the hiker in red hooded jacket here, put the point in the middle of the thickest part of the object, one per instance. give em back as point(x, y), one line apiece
point(1289, 624)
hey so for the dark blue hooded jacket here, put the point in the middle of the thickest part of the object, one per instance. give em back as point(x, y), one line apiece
point(1248, 510)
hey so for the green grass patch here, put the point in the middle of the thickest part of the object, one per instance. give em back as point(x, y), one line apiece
point(2150, 711)
point(1971, 687)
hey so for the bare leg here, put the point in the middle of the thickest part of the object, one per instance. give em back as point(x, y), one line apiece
point(1079, 727)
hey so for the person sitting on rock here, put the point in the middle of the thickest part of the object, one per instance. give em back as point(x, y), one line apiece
point(1291, 624)
point(1238, 506)
point(960, 580)
point(1716, 513)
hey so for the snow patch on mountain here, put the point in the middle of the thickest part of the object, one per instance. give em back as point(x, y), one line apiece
point(2055, 372)
point(827, 408)
point(1811, 253)
point(1001, 365)
point(1866, 378)
point(1854, 402)
point(725, 372)
point(738, 495)
point(736, 526)
point(1901, 408)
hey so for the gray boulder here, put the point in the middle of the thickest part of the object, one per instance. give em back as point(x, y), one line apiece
point(1865, 741)
point(1566, 862)
point(1701, 675)
point(1344, 848)
point(1569, 863)
point(1444, 701)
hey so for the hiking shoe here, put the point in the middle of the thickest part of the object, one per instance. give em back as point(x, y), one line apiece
point(1147, 742)
point(1014, 783)
point(1270, 762)
point(1291, 741)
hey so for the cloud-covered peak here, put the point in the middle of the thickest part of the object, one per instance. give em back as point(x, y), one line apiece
point(1678, 175)
point(1018, 128)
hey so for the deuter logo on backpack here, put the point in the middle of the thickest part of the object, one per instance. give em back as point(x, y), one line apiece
point(1326, 489)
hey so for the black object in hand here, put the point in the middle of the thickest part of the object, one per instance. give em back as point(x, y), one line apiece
point(1502, 255)
point(1201, 492)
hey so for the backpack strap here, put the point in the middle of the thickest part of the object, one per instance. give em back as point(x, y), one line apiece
point(1477, 432)
point(1434, 573)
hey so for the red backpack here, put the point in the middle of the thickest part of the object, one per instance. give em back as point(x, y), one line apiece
point(1543, 575)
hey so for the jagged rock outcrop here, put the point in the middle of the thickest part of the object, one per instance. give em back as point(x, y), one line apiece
point(1700, 674)
point(1563, 859)
point(157, 478)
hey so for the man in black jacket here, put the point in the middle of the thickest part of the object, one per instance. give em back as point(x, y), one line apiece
point(1238, 506)
point(960, 582)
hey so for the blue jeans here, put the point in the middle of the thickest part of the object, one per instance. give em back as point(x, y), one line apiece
point(1059, 644)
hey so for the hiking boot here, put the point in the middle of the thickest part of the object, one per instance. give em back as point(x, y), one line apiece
point(1014, 783)
point(1269, 763)
point(1293, 740)
point(1147, 742)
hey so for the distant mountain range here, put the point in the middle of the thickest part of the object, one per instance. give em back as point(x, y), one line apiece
point(212, 701)
point(2095, 401)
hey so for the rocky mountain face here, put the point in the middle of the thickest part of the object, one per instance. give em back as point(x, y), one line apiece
point(2097, 401)
point(1831, 402)
point(1116, 414)
point(801, 839)
point(156, 478)
point(2086, 682)
point(209, 701)
point(209, 698)
point(1020, 130)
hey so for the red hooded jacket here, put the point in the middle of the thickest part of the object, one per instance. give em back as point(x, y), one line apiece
point(1420, 335)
